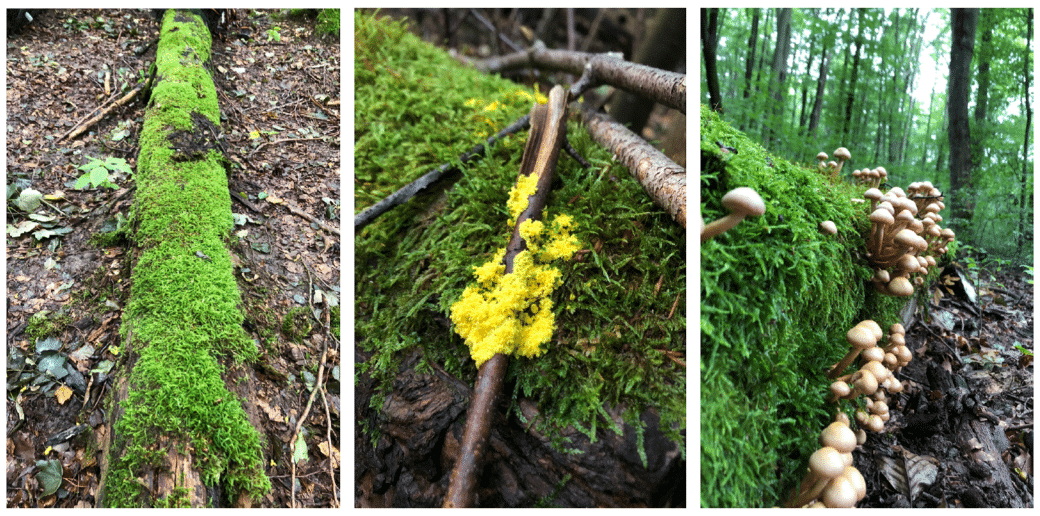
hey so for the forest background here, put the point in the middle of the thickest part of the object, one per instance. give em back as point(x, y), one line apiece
point(880, 82)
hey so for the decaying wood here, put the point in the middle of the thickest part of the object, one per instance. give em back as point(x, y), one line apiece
point(662, 178)
point(420, 426)
point(541, 152)
point(668, 88)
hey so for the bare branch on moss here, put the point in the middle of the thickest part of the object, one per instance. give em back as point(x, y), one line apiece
point(662, 178)
point(548, 132)
point(668, 88)
point(414, 188)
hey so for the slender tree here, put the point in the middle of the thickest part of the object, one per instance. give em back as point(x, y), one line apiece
point(1023, 193)
point(779, 71)
point(963, 23)
point(710, 43)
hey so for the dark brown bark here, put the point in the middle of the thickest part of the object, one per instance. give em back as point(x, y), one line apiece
point(668, 88)
point(749, 65)
point(778, 84)
point(963, 22)
point(419, 429)
point(986, 20)
point(1024, 194)
point(709, 44)
point(663, 180)
point(850, 91)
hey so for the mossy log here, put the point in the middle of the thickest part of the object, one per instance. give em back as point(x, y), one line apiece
point(181, 429)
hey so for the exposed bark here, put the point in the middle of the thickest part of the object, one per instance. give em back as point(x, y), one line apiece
point(710, 44)
point(668, 88)
point(964, 22)
point(662, 179)
point(986, 20)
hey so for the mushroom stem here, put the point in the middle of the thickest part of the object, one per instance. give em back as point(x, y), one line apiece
point(741, 202)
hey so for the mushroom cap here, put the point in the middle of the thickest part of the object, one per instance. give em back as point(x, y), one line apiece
point(842, 153)
point(876, 369)
point(826, 462)
point(744, 200)
point(840, 389)
point(839, 493)
point(873, 354)
point(822, 156)
point(882, 216)
point(828, 227)
point(856, 478)
point(897, 328)
point(860, 337)
point(838, 436)
point(905, 238)
point(874, 327)
point(873, 194)
point(866, 383)
point(901, 287)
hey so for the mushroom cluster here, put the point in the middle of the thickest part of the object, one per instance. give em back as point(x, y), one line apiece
point(832, 480)
point(870, 178)
point(876, 374)
point(841, 154)
point(896, 247)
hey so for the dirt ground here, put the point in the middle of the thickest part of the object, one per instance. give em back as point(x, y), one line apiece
point(279, 91)
point(961, 432)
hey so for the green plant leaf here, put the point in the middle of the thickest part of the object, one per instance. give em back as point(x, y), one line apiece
point(300, 453)
point(49, 476)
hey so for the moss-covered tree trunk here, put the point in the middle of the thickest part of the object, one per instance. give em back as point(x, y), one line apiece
point(180, 431)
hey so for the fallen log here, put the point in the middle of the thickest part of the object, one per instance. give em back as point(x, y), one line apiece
point(181, 430)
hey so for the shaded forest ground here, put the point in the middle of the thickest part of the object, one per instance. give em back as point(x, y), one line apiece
point(279, 89)
point(963, 426)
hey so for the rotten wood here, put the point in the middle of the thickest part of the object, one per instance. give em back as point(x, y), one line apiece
point(662, 178)
point(668, 88)
point(541, 152)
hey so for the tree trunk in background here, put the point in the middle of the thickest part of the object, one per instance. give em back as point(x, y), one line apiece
point(850, 92)
point(821, 87)
point(710, 43)
point(779, 73)
point(749, 66)
point(1025, 214)
point(963, 22)
point(987, 19)
point(663, 47)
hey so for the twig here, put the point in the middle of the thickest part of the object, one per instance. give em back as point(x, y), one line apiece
point(548, 131)
point(401, 196)
point(309, 217)
point(328, 440)
point(299, 424)
point(286, 140)
point(82, 126)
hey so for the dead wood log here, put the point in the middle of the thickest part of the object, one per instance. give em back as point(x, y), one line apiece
point(417, 436)
point(668, 88)
point(662, 178)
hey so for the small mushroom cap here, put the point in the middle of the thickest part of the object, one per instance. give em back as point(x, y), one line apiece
point(872, 354)
point(856, 478)
point(826, 462)
point(828, 227)
point(860, 337)
point(876, 369)
point(822, 156)
point(842, 153)
point(744, 200)
point(838, 436)
point(840, 493)
point(901, 287)
point(866, 383)
point(873, 194)
point(882, 216)
point(874, 327)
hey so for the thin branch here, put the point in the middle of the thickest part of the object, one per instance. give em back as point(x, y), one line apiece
point(83, 125)
point(412, 189)
point(662, 178)
point(668, 88)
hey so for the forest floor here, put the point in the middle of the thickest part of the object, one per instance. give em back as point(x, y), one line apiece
point(961, 432)
point(278, 84)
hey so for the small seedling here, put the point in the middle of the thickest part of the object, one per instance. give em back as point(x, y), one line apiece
point(98, 173)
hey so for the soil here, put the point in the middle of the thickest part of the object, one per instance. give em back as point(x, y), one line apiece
point(279, 90)
point(963, 425)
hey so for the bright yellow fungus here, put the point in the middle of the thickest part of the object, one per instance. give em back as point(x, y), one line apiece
point(525, 187)
point(512, 313)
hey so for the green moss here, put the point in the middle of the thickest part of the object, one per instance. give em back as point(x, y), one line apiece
point(297, 324)
point(44, 324)
point(777, 297)
point(183, 313)
point(614, 323)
